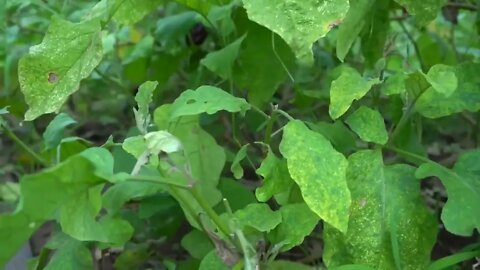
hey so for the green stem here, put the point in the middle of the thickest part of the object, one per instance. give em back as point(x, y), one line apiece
point(255, 108)
point(25, 147)
point(157, 180)
point(210, 212)
point(188, 207)
point(415, 46)
point(411, 155)
point(288, 116)
point(269, 128)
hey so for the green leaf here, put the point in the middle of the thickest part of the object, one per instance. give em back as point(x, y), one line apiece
point(135, 145)
point(261, 46)
point(236, 167)
point(63, 183)
point(353, 24)
point(120, 193)
point(379, 234)
point(433, 104)
point(424, 11)
point(54, 132)
point(460, 213)
point(221, 62)
point(276, 178)
point(375, 34)
point(300, 22)
point(442, 78)
point(52, 70)
point(320, 172)
point(369, 125)
point(258, 216)
point(131, 11)
point(341, 137)
point(143, 99)
point(70, 254)
point(452, 260)
point(143, 49)
point(162, 141)
point(298, 221)
point(206, 99)
point(287, 265)
point(394, 84)
point(197, 244)
point(171, 30)
point(345, 89)
point(237, 195)
point(78, 218)
point(212, 261)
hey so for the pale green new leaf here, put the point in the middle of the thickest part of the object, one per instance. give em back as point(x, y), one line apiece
point(221, 62)
point(162, 141)
point(442, 78)
point(460, 215)
point(320, 172)
point(52, 70)
point(258, 216)
point(345, 89)
point(206, 99)
point(389, 226)
point(55, 129)
point(236, 167)
point(299, 22)
point(131, 11)
point(433, 104)
point(369, 125)
point(143, 99)
point(298, 221)
point(424, 11)
point(353, 24)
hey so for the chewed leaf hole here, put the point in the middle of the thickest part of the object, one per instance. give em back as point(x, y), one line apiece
point(52, 77)
point(190, 101)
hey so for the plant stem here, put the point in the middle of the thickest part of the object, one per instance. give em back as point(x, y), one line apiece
point(415, 46)
point(157, 180)
point(255, 108)
point(269, 128)
point(25, 147)
point(213, 216)
point(411, 155)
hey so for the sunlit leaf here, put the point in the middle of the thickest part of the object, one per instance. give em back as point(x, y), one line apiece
point(52, 70)
point(300, 23)
point(369, 125)
point(320, 172)
point(442, 78)
point(389, 226)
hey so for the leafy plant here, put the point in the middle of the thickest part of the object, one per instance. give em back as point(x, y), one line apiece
point(351, 128)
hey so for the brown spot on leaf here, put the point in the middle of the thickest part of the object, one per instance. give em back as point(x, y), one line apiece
point(52, 77)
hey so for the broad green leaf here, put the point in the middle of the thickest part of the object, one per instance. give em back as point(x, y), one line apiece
point(258, 216)
point(212, 261)
point(424, 11)
point(102, 159)
point(54, 132)
point(202, 6)
point(442, 78)
point(276, 178)
point(52, 70)
point(171, 30)
point(394, 84)
point(221, 62)
point(236, 167)
point(70, 254)
point(345, 89)
point(135, 145)
point(143, 99)
point(120, 193)
point(131, 11)
point(353, 24)
point(237, 195)
point(460, 213)
point(197, 244)
point(261, 46)
point(467, 97)
point(78, 219)
point(320, 172)
point(63, 183)
point(298, 221)
point(162, 141)
point(206, 99)
point(299, 22)
point(389, 226)
point(369, 125)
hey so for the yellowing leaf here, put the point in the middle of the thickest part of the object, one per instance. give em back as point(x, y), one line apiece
point(52, 70)
point(299, 22)
point(320, 172)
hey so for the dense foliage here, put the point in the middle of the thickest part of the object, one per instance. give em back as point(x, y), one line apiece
point(241, 134)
